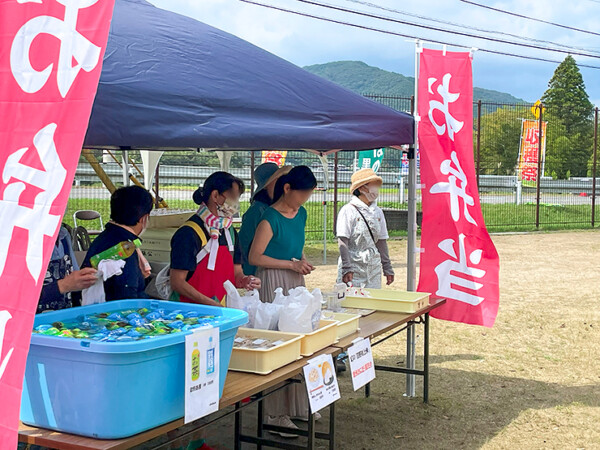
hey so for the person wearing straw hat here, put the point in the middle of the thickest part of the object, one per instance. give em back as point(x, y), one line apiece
point(362, 235)
point(266, 175)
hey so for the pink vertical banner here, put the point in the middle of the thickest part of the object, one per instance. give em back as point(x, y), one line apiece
point(50, 62)
point(459, 261)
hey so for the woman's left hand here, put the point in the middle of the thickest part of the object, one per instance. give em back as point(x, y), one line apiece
point(250, 282)
point(390, 279)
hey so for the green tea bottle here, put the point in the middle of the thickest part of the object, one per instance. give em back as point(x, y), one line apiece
point(122, 250)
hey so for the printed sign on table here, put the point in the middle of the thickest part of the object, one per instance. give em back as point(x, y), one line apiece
point(201, 373)
point(321, 382)
point(50, 62)
point(362, 367)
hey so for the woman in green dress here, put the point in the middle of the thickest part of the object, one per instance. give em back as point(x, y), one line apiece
point(266, 175)
point(278, 247)
point(278, 252)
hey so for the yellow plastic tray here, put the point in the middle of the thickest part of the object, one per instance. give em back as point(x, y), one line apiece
point(387, 300)
point(322, 337)
point(347, 324)
point(265, 361)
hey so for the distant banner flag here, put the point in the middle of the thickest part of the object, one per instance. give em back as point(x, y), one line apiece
point(275, 156)
point(528, 153)
point(50, 62)
point(371, 159)
point(404, 163)
point(458, 261)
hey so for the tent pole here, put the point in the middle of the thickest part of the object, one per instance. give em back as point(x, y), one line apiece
point(125, 168)
point(411, 271)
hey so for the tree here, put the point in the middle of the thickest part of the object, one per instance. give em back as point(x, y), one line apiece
point(569, 110)
point(567, 98)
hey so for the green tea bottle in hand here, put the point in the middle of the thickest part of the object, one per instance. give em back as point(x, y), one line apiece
point(122, 250)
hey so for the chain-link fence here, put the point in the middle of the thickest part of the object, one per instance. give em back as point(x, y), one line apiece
point(566, 197)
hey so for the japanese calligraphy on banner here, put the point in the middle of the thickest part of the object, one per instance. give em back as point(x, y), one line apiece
point(529, 150)
point(458, 261)
point(50, 62)
point(275, 156)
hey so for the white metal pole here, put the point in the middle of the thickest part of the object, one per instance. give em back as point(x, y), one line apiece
point(411, 272)
point(125, 168)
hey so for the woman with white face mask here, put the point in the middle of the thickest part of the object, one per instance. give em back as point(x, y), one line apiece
point(362, 235)
point(206, 252)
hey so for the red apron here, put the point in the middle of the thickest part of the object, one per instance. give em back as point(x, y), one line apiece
point(210, 282)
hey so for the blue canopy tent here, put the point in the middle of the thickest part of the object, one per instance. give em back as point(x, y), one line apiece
point(171, 82)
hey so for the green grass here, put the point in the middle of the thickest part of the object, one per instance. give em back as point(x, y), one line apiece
point(506, 217)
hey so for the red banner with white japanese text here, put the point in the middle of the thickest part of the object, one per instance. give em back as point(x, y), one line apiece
point(50, 62)
point(458, 261)
point(274, 156)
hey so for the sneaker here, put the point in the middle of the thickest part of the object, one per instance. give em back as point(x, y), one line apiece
point(282, 421)
point(305, 419)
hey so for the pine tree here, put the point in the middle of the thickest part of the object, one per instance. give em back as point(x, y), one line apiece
point(569, 108)
point(567, 98)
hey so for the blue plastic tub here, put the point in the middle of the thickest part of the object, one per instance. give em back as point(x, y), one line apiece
point(111, 390)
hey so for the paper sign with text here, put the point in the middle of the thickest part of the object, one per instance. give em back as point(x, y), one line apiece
point(362, 367)
point(201, 373)
point(321, 382)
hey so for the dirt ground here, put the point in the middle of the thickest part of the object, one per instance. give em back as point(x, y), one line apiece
point(530, 382)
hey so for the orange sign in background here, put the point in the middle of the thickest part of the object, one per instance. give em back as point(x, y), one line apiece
point(529, 149)
point(276, 156)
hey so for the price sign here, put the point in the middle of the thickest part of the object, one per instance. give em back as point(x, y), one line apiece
point(201, 373)
point(362, 368)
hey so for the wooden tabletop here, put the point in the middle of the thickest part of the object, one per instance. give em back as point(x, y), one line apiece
point(238, 386)
point(381, 322)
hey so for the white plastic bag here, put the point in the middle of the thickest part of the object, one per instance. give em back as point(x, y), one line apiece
point(302, 312)
point(249, 302)
point(267, 316)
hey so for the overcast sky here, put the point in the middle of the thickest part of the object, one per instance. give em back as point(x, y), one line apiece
point(306, 41)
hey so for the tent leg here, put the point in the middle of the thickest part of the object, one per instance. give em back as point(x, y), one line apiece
point(125, 168)
point(411, 282)
point(411, 271)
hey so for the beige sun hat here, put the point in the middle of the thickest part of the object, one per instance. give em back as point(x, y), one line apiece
point(362, 177)
point(278, 174)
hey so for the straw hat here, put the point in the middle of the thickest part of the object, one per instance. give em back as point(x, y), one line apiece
point(362, 177)
point(267, 174)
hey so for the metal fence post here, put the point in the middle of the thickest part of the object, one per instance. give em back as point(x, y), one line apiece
point(539, 169)
point(478, 139)
point(594, 167)
point(156, 184)
point(335, 191)
point(252, 163)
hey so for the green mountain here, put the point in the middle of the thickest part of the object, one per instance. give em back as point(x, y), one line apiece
point(364, 79)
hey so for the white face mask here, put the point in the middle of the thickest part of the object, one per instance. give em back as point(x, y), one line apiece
point(371, 193)
point(145, 227)
point(228, 209)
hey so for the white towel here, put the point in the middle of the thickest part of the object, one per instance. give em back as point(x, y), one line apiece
point(106, 268)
